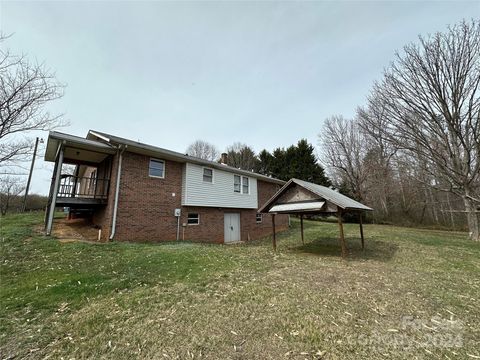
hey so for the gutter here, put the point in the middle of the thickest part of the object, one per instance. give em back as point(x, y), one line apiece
point(117, 191)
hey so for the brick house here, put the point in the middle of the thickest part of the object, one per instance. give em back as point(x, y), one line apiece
point(139, 192)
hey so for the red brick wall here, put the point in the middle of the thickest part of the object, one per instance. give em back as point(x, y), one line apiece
point(146, 204)
point(146, 207)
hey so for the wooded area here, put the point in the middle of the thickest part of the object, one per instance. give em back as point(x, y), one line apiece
point(413, 151)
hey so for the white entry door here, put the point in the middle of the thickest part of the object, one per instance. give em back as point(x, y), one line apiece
point(232, 227)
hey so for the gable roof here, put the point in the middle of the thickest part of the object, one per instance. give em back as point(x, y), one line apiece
point(155, 151)
point(323, 192)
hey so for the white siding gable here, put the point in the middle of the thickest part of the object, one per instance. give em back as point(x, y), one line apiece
point(219, 193)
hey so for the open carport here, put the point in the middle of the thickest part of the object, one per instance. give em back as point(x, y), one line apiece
point(298, 197)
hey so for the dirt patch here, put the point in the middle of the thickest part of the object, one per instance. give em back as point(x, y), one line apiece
point(74, 230)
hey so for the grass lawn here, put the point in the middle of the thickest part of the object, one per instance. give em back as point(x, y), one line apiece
point(411, 294)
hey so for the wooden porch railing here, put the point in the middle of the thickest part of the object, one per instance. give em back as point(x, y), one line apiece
point(83, 187)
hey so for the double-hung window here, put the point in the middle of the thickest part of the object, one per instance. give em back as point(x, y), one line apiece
point(237, 183)
point(156, 168)
point(259, 218)
point(245, 185)
point(241, 184)
point(208, 175)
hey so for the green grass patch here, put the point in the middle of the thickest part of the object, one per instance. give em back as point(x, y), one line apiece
point(404, 296)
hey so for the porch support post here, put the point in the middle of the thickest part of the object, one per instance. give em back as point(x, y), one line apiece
point(56, 184)
point(342, 236)
point(301, 226)
point(75, 180)
point(361, 231)
point(274, 234)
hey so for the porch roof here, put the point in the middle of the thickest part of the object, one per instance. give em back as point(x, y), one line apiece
point(77, 149)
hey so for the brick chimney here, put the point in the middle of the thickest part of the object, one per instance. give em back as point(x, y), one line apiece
point(223, 159)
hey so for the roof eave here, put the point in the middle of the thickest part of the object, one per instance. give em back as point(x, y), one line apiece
point(55, 138)
point(154, 151)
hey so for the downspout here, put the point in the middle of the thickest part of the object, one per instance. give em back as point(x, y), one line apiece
point(117, 191)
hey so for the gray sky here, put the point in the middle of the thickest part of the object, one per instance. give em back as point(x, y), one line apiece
point(262, 73)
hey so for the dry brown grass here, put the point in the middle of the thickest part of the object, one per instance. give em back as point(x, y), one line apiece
point(194, 301)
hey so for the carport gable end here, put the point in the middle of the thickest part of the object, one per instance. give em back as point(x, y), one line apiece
point(302, 197)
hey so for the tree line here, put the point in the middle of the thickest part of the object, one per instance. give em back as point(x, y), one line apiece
point(413, 150)
point(296, 161)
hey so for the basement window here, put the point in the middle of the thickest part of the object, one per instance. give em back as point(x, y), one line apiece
point(193, 219)
point(237, 184)
point(207, 175)
point(259, 218)
point(156, 168)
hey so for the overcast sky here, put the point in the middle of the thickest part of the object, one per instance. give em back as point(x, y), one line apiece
point(262, 73)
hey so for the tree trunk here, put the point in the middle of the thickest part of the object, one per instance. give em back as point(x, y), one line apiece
point(451, 211)
point(472, 218)
point(428, 193)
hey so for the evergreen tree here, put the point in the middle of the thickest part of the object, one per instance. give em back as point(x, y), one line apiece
point(297, 161)
point(264, 163)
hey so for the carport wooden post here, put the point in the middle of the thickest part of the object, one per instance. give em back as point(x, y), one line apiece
point(301, 226)
point(342, 236)
point(274, 234)
point(361, 232)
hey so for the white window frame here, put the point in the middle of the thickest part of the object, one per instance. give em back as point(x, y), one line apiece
point(160, 161)
point(240, 183)
point(257, 218)
point(198, 219)
point(248, 185)
point(203, 174)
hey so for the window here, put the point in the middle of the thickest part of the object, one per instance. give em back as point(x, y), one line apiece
point(259, 218)
point(156, 168)
point(237, 183)
point(245, 185)
point(193, 219)
point(207, 175)
point(241, 184)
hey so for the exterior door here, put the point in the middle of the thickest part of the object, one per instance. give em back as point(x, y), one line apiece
point(231, 227)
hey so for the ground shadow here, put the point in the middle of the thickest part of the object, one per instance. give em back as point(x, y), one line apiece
point(328, 246)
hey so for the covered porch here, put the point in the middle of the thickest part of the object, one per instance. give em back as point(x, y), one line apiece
point(302, 198)
point(84, 186)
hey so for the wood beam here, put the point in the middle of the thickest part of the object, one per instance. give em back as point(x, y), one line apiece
point(81, 162)
point(301, 226)
point(274, 234)
point(361, 231)
point(342, 236)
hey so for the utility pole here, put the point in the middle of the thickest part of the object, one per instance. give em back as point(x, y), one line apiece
point(30, 175)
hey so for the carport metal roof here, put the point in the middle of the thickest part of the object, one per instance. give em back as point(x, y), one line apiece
point(301, 197)
point(319, 193)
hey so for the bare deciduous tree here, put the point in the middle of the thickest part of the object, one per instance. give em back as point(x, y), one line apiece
point(241, 156)
point(10, 187)
point(432, 106)
point(344, 149)
point(25, 89)
point(380, 151)
point(203, 150)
